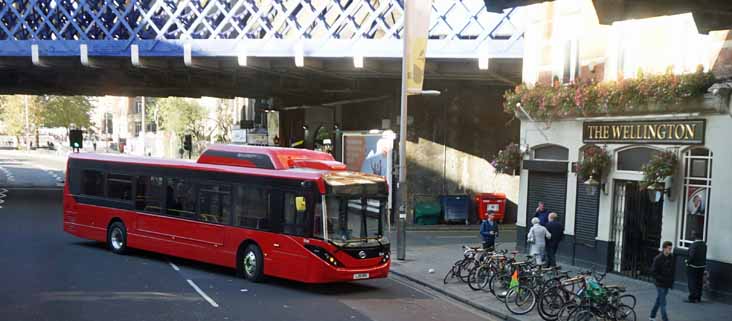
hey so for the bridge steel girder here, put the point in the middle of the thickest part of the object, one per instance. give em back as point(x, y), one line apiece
point(193, 39)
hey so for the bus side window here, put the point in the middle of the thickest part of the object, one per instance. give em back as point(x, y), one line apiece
point(214, 203)
point(92, 183)
point(149, 191)
point(251, 207)
point(295, 222)
point(119, 187)
point(180, 198)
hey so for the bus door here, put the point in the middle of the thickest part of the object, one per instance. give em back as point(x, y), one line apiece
point(290, 214)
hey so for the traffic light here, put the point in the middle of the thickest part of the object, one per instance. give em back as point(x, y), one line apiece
point(188, 142)
point(76, 138)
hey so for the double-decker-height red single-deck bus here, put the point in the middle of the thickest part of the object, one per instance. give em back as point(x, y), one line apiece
point(282, 212)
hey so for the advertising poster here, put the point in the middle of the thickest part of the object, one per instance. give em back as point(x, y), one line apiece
point(370, 153)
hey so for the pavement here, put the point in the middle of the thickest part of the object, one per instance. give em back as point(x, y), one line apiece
point(431, 254)
point(51, 275)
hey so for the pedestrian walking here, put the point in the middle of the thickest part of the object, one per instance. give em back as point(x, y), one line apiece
point(536, 238)
point(556, 230)
point(489, 231)
point(663, 272)
point(695, 265)
point(94, 144)
point(542, 213)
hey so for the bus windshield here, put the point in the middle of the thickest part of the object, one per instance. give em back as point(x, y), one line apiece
point(355, 221)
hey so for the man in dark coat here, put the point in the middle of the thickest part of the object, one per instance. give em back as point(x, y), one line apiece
point(695, 265)
point(489, 231)
point(542, 213)
point(663, 272)
point(556, 229)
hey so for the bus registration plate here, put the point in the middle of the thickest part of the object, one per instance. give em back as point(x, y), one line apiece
point(360, 276)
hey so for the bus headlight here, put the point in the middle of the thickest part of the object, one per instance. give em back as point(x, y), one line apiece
point(323, 254)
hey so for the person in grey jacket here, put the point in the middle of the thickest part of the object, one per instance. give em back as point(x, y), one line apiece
point(536, 238)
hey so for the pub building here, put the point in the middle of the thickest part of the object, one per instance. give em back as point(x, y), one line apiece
point(615, 224)
point(612, 222)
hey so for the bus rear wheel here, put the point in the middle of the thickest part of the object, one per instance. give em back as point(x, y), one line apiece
point(117, 238)
point(251, 263)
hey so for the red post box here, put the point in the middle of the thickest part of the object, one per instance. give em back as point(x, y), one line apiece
point(495, 202)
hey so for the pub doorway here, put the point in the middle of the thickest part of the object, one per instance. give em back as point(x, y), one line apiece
point(636, 230)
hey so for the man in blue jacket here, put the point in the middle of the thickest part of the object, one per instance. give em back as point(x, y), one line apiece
point(542, 213)
point(489, 231)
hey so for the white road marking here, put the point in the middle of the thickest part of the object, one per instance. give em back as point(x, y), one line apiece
point(203, 294)
point(175, 267)
point(2, 196)
point(10, 177)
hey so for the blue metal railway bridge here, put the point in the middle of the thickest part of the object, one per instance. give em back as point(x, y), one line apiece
point(298, 49)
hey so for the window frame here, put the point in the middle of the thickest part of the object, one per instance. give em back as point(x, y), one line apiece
point(132, 180)
point(238, 188)
point(229, 220)
point(104, 183)
point(687, 180)
point(616, 158)
point(161, 196)
point(194, 183)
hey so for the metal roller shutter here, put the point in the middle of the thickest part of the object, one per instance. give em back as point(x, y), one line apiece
point(585, 224)
point(550, 188)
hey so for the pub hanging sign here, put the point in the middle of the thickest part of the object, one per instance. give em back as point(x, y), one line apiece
point(678, 132)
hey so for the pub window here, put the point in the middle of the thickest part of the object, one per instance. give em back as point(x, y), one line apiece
point(214, 203)
point(295, 214)
point(92, 183)
point(551, 152)
point(119, 187)
point(252, 207)
point(696, 194)
point(180, 198)
point(633, 159)
point(148, 194)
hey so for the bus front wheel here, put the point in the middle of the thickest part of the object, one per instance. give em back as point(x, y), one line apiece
point(251, 263)
point(117, 238)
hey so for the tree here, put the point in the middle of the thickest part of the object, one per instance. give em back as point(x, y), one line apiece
point(180, 116)
point(65, 111)
point(224, 121)
point(14, 114)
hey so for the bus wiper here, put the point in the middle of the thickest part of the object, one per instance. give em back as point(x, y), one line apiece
point(362, 239)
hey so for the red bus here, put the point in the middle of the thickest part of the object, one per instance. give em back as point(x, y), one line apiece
point(288, 213)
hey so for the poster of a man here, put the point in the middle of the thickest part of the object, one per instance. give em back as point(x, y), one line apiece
point(695, 204)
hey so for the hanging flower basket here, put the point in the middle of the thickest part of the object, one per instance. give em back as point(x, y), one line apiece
point(661, 166)
point(594, 163)
point(508, 160)
point(641, 95)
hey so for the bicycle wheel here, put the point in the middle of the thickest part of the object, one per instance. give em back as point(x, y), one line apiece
point(550, 302)
point(584, 315)
point(627, 299)
point(520, 300)
point(625, 313)
point(498, 285)
point(566, 311)
point(451, 273)
point(478, 277)
point(466, 267)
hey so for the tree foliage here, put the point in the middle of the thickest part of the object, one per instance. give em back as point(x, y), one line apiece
point(65, 111)
point(44, 111)
point(13, 114)
point(180, 116)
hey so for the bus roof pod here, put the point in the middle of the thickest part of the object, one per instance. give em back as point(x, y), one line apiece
point(276, 158)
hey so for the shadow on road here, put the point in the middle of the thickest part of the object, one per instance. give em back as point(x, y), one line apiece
point(328, 289)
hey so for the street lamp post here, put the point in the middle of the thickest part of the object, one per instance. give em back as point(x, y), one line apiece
point(27, 124)
point(402, 184)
